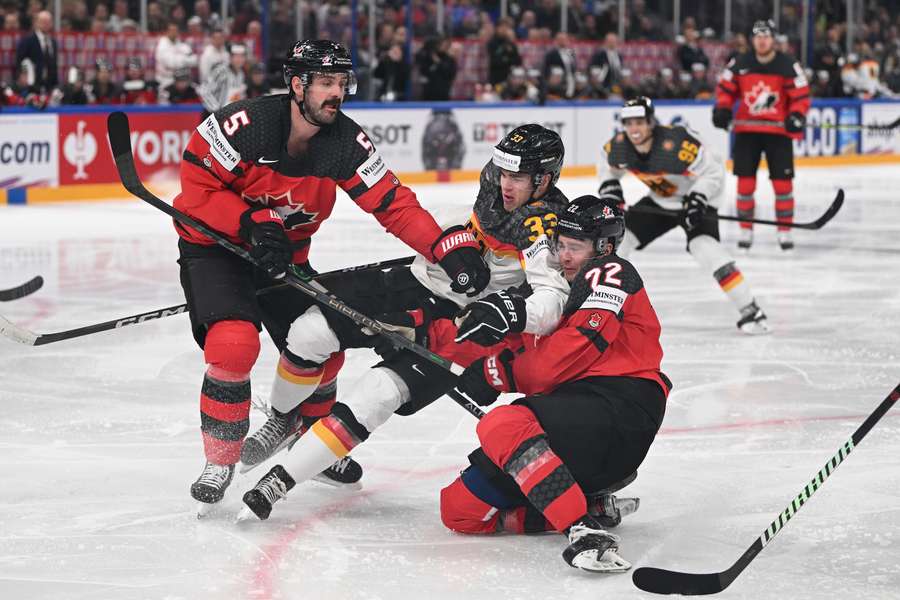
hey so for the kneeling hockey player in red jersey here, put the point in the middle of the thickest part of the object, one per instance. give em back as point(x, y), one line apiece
point(595, 398)
point(264, 173)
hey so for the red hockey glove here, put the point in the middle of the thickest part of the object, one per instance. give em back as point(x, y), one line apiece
point(460, 256)
point(485, 378)
point(261, 227)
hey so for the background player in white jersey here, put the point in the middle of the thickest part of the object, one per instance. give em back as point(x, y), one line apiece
point(686, 179)
point(513, 217)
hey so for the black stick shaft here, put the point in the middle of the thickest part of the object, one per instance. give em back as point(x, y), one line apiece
point(663, 581)
point(35, 339)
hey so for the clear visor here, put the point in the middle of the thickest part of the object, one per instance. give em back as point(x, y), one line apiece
point(347, 78)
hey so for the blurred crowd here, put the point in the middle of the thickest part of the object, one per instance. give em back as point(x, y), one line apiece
point(579, 54)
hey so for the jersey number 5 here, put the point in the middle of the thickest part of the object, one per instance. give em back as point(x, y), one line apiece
point(606, 274)
point(236, 121)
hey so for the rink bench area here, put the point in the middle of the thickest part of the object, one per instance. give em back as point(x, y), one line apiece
point(61, 154)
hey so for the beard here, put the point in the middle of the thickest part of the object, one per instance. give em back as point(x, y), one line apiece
point(320, 113)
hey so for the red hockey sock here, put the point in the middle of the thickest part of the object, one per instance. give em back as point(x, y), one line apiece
point(746, 205)
point(514, 440)
point(784, 201)
point(230, 349)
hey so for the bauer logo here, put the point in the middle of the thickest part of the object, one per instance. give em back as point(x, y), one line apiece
point(372, 170)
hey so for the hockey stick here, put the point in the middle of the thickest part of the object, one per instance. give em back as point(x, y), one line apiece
point(29, 338)
point(20, 291)
point(120, 142)
point(844, 126)
point(662, 581)
point(816, 224)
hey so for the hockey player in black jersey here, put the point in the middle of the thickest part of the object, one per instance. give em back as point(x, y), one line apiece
point(685, 178)
point(513, 219)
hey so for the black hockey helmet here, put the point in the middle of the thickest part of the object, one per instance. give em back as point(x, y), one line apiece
point(637, 108)
point(764, 27)
point(318, 56)
point(531, 149)
point(599, 220)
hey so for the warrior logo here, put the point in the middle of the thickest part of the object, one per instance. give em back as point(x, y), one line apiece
point(290, 211)
point(761, 99)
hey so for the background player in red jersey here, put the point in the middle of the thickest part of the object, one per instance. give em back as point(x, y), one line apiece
point(264, 173)
point(773, 98)
point(595, 398)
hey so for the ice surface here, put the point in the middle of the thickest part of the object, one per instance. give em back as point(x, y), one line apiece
point(99, 437)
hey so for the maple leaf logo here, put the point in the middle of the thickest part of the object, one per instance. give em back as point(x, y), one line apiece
point(761, 99)
point(291, 212)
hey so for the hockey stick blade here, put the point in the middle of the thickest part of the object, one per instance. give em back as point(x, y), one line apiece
point(663, 581)
point(20, 291)
point(816, 224)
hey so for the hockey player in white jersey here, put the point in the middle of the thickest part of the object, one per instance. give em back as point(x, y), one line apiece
point(686, 183)
point(512, 220)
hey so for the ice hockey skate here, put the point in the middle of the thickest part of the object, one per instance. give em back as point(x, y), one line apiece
point(281, 431)
point(210, 486)
point(278, 432)
point(591, 548)
point(270, 489)
point(609, 509)
point(745, 241)
point(785, 240)
point(753, 320)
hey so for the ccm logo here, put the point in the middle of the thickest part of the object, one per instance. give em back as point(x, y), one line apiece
point(457, 239)
point(493, 371)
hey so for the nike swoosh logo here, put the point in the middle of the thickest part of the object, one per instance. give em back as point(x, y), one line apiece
point(265, 161)
point(416, 368)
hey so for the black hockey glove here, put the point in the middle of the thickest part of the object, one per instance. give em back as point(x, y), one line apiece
point(459, 254)
point(613, 187)
point(795, 122)
point(485, 378)
point(722, 117)
point(261, 227)
point(487, 321)
point(695, 205)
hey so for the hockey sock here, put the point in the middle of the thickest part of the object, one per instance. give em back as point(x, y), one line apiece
point(746, 205)
point(322, 399)
point(333, 438)
point(295, 381)
point(712, 257)
point(784, 201)
point(514, 440)
point(230, 349)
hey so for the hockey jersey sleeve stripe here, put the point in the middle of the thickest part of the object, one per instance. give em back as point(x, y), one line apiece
point(386, 201)
point(595, 337)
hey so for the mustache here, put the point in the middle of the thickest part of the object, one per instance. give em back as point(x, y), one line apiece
point(335, 102)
